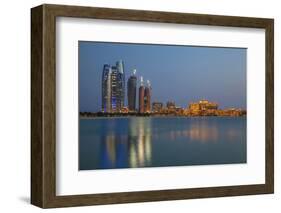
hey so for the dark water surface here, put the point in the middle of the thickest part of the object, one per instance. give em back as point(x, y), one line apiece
point(127, 142)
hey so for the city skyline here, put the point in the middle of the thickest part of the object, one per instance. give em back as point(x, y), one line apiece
point(113, 91)
point(113, 87)
point(178, 93)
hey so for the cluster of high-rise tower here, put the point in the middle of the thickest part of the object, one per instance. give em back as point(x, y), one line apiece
point(113, 91)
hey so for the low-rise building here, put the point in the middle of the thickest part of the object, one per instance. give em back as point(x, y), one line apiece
point(203, 107)
point(157, 107)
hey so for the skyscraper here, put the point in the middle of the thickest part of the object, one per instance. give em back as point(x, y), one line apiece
point(147, 97)
point(144, 97)
point(120, 82)
point(106, 88)
point(132, 91)
point(141, 96)
point(113, 87)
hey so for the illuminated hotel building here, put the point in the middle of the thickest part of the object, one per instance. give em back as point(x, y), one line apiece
point(132, 91)
point(203, 105)
point(157, 106)
point(113, 87)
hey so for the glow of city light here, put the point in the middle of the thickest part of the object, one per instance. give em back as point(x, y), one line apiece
point(141, 81)
point(148, 83)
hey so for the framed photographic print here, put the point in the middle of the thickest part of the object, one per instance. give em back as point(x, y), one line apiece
point(135, 106)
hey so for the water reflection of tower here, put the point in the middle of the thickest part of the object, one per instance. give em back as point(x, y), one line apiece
point(140, 142)
point(132, 91)
point(114, 152)
point(108, 155)
point(130, 150)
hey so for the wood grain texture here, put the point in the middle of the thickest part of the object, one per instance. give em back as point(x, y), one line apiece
point(269, 118)
point(36, 106)
point(43, 105)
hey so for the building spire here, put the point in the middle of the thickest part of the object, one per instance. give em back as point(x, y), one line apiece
point(141, 81)
point(148, 83)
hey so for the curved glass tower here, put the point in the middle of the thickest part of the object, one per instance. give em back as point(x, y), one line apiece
point(106, 88)
point(120, 85)
point(113, 87)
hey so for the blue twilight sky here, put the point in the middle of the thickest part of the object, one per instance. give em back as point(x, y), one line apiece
point(177, 73)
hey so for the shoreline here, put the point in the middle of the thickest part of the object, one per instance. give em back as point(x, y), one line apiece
point(155, 116)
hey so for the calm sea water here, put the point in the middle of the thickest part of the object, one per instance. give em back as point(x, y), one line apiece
point(106, 143)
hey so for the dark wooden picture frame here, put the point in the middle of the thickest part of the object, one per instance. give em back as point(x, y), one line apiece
point(43, 105)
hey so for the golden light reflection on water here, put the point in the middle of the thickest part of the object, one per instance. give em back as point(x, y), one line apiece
point(233, 133)
point(197, 132)
point(134, 149)
point(110, 148)
point(140, 143)
point(203, 132)
point(136, 145)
